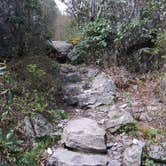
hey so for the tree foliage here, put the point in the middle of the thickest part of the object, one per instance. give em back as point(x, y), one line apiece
point(23, 26)
point(123, 28)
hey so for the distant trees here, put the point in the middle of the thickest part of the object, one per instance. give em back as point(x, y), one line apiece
point(84, 10)
point(116, 10)
point(24, 25)
point(50, 14)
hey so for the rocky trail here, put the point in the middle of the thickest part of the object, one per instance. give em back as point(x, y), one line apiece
point(105, 127)
point(85, 137)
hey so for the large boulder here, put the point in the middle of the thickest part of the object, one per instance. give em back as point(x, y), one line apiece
point(117, 119)
point(64, 157)
point(84, 134)
point(62, 47)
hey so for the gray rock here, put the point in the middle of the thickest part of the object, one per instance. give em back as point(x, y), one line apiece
point(37, 126)
point(100, 93)
point(87, 89)
point(117, 119)
point(101, 122)
point(156, 152)
point(102, 90)
point(73, 89)
point(28, 127)
point(114, 163)
point(145, 117)
point(63, 157)
point(72, 55)
point(84, 134)
point(62, 47)
point(90, 72)
point(103, 83)
point(86, 99)
point(116, 151)
point(132, 156)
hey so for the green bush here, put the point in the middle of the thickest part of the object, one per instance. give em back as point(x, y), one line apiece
point(121, 43)
point(97, 36)
point(35, 76)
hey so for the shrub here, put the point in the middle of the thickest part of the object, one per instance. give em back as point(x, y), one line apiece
point(97, 36)
point(27, 88)
point(123, 42)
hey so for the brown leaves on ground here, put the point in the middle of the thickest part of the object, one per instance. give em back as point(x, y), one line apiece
point(145, 91)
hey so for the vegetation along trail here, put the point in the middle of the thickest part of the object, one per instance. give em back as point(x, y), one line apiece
point(82, 82)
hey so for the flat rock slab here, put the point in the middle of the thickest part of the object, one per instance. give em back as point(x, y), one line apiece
point(64, 157)
point(117, 119)
point(95, 88)
point(84, 134)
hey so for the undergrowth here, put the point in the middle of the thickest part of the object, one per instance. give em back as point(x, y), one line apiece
point(130, 128)
point(27, 88)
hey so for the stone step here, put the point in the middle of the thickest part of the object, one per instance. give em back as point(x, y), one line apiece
point(85, 135)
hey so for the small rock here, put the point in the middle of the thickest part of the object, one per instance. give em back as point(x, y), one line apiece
point(66, 69)
point(138, 142)
point(118, 119)
point(123, 106)
point(153, 108)
point(101, 122)
point(37, 126)
point(103, 83)
point(84, 134)
point(63, 157)
point(116, 150)
point(156, 152)
point(77, 110)
point(90, 72)
point(135, 142)
point(132, 156)
point(49, 151)
point(145, 117)
point(127, 142)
